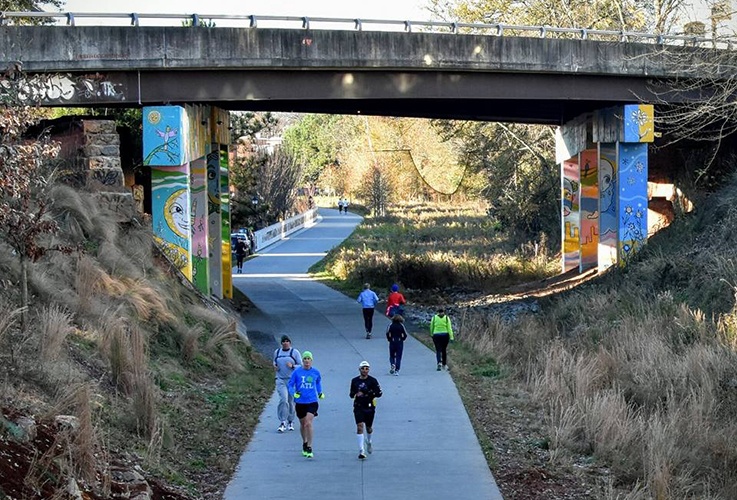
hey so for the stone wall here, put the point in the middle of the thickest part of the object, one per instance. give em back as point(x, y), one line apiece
point(90, 155)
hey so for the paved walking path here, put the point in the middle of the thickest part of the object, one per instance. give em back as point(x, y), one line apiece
point(424, 445)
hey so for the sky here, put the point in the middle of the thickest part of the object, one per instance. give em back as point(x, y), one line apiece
point(364, 9)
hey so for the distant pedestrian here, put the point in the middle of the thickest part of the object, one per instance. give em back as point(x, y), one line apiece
point(241, 250)
point(286, 360)
point(395, 302)
point(368, 300)
point(340, 206)
point(305, 386)
point(364, 391)
point(396, 334)
point(442, 333)
point(345, 206)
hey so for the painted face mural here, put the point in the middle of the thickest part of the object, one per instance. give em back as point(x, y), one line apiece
point(568, 192)
point(606, 187)
point(213, 182)
point(176, 213)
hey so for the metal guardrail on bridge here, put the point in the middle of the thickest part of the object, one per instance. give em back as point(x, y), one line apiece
point(498, 29)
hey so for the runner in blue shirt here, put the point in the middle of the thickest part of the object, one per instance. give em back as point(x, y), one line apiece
point(305, 386)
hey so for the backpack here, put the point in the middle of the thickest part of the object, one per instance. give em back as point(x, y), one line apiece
point(291, 355)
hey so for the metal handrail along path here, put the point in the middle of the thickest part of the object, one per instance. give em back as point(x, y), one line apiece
point(497, 29)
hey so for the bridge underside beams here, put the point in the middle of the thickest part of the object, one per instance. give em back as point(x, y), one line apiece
point(604, 194)
point(508, 97)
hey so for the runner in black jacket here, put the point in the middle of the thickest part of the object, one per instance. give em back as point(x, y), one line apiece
point(364, 391)
point(396, 334)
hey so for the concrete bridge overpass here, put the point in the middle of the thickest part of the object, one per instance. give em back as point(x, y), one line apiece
point(441, 75)
point(594, 90)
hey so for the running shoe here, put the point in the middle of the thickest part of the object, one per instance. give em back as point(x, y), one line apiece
point(304, 449)
point(290, 427)
point(282, 427)
point(361, 455)
point(309, 453)
point(440, 367)
point(369, 447)
point(368, 335)
point(396, 373)
point(391, 370)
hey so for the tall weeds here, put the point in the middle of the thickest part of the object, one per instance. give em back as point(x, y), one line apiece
point(647, 387)
point(55, 324)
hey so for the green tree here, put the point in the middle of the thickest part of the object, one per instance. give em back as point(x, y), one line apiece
point(660, 16)
point(29, 5)
point(315, 142)
point(248, 124)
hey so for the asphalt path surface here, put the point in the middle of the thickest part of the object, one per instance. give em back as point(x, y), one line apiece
point(424, 445)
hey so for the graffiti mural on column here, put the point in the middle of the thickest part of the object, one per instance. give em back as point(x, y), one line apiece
point(608, 223)
point(570, 193)
point(162, 136)
point(163, 150)
point(200, 268)
point(171, 215)
point(589, 208)
point(632, 198)
point(214, 224)
point(225, 214)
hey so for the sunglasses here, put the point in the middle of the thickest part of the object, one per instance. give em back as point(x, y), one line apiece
point(364, 368)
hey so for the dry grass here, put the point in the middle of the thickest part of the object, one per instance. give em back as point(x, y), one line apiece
point(649, 391)
point(190, 342)
point(427, 246)
point(55, 326)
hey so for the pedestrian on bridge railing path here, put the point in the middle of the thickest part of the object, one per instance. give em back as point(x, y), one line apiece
point(305, 386)
point(368, 300)
point(286, 360)
point(442, 333)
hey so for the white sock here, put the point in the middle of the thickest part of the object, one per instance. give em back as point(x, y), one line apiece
point(360, 442)
point(368, 438)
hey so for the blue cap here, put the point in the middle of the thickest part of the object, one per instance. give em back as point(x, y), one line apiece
point(395, 288)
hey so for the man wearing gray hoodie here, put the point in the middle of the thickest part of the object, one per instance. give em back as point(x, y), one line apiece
point(286, 359)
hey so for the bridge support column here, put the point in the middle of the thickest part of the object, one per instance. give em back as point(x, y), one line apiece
point(604, 186)
point(176, 142)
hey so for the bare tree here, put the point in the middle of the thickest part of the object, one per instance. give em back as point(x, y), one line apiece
point(24, 176)
point(276, 182)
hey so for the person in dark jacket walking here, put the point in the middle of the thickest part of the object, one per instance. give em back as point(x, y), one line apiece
point(364, 391)
point(241, 250)
point(396, 334)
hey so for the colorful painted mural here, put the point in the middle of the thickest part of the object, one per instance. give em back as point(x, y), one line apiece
point(171, 215)
point(632, 181)
point(162, 136)
point(639, 123)
point(589, 169)
point(225, 216)
point(198, 198)
point(608, 224)
point(570, 198)
point(197, 132)
point(214, 221)
point(190, 203)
